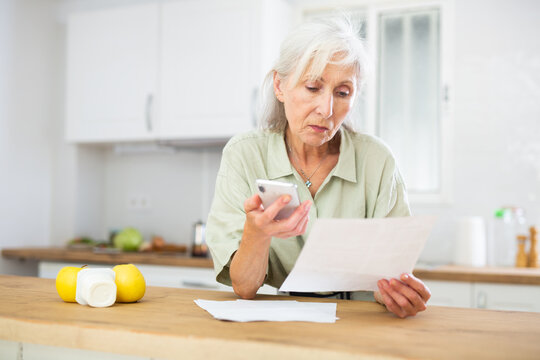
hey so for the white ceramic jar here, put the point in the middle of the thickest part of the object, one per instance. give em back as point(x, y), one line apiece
point(96, 287)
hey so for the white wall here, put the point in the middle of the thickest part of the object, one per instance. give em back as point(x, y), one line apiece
point(178, 187)
point(497, 116)
point(29, 43)
point(94, 188)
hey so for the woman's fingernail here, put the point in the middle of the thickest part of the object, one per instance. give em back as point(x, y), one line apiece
point(404, 277)
point(286, 199)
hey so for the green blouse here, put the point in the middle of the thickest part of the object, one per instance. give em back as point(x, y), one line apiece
point(365, 183)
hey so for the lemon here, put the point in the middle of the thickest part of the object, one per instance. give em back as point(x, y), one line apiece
point(130, 284)
point(66, 283)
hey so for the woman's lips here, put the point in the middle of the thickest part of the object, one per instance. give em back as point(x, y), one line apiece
point(318, 129)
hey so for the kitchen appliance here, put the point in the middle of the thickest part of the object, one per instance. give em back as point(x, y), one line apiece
point(198, 245)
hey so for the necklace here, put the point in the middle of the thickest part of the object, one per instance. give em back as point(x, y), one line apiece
point(293, 155)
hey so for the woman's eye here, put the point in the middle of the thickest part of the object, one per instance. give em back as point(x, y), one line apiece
point(343, 93)
point(312, 88)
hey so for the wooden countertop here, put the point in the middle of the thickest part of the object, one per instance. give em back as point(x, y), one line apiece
point(519, 276)
point(167, 324)
point(447, 272)
point(88, 256)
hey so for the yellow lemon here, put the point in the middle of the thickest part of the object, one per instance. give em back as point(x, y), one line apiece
point(130, 284)
point(66, 283)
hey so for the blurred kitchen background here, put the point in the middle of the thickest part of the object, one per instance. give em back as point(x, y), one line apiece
point(113, 113)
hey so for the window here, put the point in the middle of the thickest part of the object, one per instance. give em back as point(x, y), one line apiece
point(406, 100)
point(408, 94)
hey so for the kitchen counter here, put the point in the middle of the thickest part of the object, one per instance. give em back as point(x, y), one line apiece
point(167, 324)
point(88, 256)
point(500, 275)
point(521, 276)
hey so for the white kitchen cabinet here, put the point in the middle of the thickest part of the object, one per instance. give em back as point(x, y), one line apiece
point(491, 296)
point(170, 70)
point(112, 67)
point(207, 68)
point(160, 275)
point(507, 297)
point(213, 58)
point(450, 293)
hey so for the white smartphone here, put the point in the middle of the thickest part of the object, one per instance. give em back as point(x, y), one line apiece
point(270, 190)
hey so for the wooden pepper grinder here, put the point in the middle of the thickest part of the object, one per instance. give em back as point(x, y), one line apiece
point(533, 254)
point(521, 257)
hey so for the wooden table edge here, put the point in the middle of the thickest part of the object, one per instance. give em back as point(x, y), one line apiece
point(160, 345)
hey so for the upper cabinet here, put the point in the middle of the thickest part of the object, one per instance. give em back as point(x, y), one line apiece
point(112, 69)
point(206, 64)
point(171, 70)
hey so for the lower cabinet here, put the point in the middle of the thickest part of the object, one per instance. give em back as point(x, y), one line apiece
point(13, 350)
point(161, 275)
point(507, 297)
point(491, 296)
point(450, 293)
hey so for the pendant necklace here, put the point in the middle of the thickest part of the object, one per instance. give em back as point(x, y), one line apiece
point(293, 155)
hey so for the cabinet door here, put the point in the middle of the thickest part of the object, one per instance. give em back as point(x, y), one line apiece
point(507, 297)
point(207, 87)
point(112, 73)
point(450, 293)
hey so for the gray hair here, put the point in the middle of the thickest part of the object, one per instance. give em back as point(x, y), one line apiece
point(311, 47)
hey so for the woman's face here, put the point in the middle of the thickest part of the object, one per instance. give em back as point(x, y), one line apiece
point(316, 109)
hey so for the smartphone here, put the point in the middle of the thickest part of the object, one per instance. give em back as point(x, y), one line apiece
point(270, 190)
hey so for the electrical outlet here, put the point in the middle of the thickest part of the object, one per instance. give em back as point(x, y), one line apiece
point(145, 202)
point(132, 202)
point(139, 202)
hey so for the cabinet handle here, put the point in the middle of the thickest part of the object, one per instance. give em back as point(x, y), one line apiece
point(481, 300)
point(446, 97)
point(446, 90)
point(148, 115)
point(254, 94)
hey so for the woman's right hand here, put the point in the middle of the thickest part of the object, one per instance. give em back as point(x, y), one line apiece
point(250, 262)
point(260, 224)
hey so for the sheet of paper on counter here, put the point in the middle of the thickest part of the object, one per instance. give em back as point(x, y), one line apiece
point(353, 254)
point(270, 310)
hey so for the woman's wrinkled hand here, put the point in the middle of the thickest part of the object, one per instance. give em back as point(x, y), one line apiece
point(261, 223)
point(404, 297)
point(249, 263)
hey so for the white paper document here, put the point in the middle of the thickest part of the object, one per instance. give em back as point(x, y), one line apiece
point(353, 254)
point(270, 310)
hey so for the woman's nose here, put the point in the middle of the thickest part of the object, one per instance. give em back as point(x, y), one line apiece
point(325, 106)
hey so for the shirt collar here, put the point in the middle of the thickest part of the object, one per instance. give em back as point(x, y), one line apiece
point(346, 166)
point(280, 166)
point(278, 161)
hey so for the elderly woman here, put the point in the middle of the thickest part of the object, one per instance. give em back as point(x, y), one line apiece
point(307, 99)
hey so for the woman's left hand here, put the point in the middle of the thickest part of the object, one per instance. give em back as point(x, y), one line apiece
point(403, 298)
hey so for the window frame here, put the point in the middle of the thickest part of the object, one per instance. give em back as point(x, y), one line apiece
point(372, 10)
